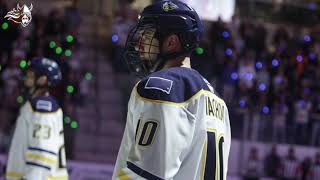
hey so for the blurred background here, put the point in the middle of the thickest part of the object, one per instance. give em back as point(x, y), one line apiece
point(262, 57)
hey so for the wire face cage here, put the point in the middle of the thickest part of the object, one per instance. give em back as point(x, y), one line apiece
point(142, 49)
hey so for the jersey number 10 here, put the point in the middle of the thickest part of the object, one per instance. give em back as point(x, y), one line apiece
point(214, 157)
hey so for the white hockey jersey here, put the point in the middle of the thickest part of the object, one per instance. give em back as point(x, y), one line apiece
point(177, 129)
point(37, 148)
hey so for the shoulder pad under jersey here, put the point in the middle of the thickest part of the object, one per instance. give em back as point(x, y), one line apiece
point(44, 104)
point(176, 85)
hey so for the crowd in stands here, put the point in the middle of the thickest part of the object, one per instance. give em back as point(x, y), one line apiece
point(53, 35)
point(288, 167)
point(269, 72)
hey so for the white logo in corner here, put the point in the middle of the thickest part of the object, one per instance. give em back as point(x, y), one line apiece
point(21, 15)
point(159, 83)
point(169, 6)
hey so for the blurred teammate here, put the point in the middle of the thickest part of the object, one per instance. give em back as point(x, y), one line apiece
point(177, 127)
point(37, 149)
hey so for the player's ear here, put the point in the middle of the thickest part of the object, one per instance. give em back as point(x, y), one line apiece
point(42, 80)
point(171, 43)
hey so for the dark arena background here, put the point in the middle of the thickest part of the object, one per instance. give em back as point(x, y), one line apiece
point(261, 56)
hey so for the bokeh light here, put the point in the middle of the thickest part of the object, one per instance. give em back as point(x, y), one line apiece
point(312, 6)
point(242, 103)
point(23, 64)
point(312, 56)
point(228, 52)
point(70, 89)
point(66, 119)
point(265, 109)
point(58, 50)
point(69, 38)
point(299, 58)
point(248, 76)
point(20, 99)
point(306, 38)
point(114, 38)
point(199, 50)
point(52, 44)
point(234, 76)
point(225, 34)
point(259, 65)
point(275, 62)
point(5, 26)
point(262, 87)
point(68, 52)
point(74, 125)
point(88, 76)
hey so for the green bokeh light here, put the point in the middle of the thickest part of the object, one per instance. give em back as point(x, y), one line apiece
point(23, 64)
point(199, 51)
point(88, 76)
point(70, 89)
point(20, 99)
point(58, 50)
point(69, 38)
point(5, 25)
point(68, 53)
point(52, 44)
point(66, 120)
point(74, 124)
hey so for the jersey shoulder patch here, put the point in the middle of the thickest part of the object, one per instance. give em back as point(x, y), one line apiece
point(44, 104)
point(173, 85)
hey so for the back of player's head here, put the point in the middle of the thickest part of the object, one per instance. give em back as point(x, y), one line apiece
point(47, 67)
point(156, 22)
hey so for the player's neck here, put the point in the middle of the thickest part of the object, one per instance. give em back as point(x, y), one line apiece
point(40, 92)
point(185, 62)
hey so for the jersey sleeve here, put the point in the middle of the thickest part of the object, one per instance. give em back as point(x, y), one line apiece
point(162, 136)
point(16, 160)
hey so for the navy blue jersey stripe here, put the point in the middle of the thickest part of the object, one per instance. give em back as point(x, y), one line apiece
point(42, 150)
point(142, 172)
point(38, 165)
point(173, 85)
point(44, 104)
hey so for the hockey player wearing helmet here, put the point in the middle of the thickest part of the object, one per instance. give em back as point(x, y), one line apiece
point(37, 148)
point(177, 127)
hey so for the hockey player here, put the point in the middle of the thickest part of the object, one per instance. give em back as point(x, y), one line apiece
point(37, 148)
point(177, 127)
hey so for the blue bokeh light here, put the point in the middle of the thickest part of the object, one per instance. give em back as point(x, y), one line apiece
point(248, 76)
point(259, 65)
point(234, 76)
point(228, 52)
point(242, 103)
point(299, 58)
point(306, 38)
point(312, 6)
point(265, 109)
point(226, 34)
point(115, 38)
point(312, 56)
point(262, 87)
point(275, 62)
